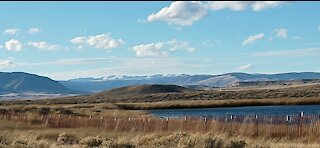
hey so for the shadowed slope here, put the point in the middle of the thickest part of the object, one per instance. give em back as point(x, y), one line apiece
point(19, 82)
point(145, 89)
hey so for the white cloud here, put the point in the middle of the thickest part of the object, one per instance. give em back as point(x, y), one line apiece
point(243, 5)
point(6, 64)
point(151, 50)
point(252, 39)
point(185, 13)
point(103, 41)
point(34, 30)
point(232, 5)
point(281, 33)
point(182, 13)
point(245, 67)
point(290, 53)
point(161, 49)
point(44, 46)
point(175, 45)
point(262, 5)
point(11, 31)
point(13, 45)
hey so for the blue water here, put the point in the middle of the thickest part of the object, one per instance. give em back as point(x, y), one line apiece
point(240, 111)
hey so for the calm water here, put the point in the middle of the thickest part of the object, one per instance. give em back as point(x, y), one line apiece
point(259, 110)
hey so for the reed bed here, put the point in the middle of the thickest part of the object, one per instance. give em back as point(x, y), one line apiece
point(290, 127)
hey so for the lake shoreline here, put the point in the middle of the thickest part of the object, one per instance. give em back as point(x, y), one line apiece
point(217, 103)
point(264, 112)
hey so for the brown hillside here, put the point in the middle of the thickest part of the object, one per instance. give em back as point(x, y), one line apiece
point(145, 89)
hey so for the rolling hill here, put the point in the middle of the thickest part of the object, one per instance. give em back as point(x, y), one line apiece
point(145, 89)
point(160, 93)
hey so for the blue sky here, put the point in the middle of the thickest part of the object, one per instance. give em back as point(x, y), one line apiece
point(66, 40)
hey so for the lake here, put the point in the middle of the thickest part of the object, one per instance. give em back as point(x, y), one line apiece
point(240, 111)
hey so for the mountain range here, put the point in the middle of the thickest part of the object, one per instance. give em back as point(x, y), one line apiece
point(191, 81)
point(24, 84)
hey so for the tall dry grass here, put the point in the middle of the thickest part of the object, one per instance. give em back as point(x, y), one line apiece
point(19, 134)
point(262, 126)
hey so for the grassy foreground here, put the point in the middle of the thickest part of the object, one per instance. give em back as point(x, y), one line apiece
point(15, 134)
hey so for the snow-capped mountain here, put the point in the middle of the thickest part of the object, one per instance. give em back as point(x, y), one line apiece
point(223, 80)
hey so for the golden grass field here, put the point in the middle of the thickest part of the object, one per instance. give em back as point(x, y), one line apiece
point(30, 133)
point(14, 134)
point(73, 123)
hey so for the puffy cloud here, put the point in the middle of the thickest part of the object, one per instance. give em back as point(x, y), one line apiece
point(13, 45)
point(232, 5)
point(161, 49)
point(43, 46)
point(185, 13)
point(175, 45)
point(245, 67)
point(252, 39)
point(34, 30)
point(261, 5)
point(182, 13)
point(152, 50)
point(243, 5)
point(103, 41)
point(282, 32)
point(11, 31)
point(6, 64)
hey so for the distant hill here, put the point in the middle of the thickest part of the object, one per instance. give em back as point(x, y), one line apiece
point(196, 81)
point(146, 89)
point(151, 93)
point(19, 82)
point(132, 93)
point(275, 83)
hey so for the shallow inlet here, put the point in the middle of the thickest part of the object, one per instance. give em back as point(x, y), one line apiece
point(240, 111)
